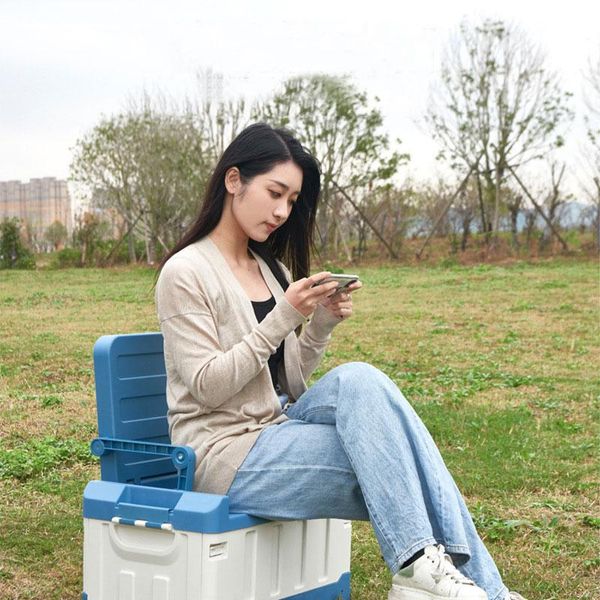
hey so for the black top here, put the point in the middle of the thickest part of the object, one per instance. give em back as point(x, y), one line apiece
point(261, 310)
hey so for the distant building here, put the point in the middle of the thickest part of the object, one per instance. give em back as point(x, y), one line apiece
point(38, 204)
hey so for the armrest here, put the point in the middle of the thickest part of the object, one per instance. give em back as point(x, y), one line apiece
point(183, 457)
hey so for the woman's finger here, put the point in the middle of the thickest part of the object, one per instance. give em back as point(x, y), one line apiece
point(344, 312)
point(354, 286)
point(346, 306)
point(317, 278)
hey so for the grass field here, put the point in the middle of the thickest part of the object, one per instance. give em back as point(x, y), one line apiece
point(501, 362)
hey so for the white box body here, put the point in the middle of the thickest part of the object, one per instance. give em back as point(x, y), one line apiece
point(270, 561)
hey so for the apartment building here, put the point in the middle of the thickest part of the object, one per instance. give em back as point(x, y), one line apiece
point(38, 203)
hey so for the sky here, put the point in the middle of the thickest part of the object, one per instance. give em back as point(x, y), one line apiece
point(65, 64)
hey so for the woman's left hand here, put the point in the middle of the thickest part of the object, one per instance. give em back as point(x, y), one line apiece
point(340, 303)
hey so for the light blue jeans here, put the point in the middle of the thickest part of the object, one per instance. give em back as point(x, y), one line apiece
point(354, 448)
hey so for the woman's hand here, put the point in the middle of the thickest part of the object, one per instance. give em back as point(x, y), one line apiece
point(340, 304)
point(304, 294)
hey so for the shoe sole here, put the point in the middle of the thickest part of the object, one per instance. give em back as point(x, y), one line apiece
point(399, 593)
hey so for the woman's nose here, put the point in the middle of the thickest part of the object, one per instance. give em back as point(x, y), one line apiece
point(281, 210)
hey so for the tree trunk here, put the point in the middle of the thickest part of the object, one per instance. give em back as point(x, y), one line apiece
point(150, 250)
point(514, 216)
point(484, 224)
point(131, 247)
point(596, 220)
point(466, 231)
point(496, 222)
point(344, 242)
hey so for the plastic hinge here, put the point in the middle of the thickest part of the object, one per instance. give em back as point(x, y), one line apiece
point(142, 523)
point(183, 457)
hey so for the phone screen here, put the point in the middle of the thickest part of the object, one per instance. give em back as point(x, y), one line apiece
point(343, 280)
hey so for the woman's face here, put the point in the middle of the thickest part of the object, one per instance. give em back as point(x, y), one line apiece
point(265, 202)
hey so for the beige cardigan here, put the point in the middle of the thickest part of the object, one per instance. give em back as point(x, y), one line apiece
point(219, 389)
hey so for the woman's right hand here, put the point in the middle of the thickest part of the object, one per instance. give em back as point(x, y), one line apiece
point(304, 295)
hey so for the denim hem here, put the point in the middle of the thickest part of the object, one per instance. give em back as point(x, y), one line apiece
point(501, 595)
point(460, 549)
point(402, 558)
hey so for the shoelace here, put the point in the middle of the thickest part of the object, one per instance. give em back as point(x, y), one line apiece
point(443, 566)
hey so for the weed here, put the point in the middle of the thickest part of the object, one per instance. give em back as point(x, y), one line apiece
point(34, 457)
point(591, 521)
point(521, 306)
point(48, 401)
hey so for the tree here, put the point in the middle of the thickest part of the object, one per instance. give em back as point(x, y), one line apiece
point(591, 150)
point(103, 163)
point(335, 121)
point(13, 252)
point(56, 234)
point(498, 106)
point(152, 162)
point(86, 236)
point(149, 166)
point(463, 215)
point(554, 200)
point(171, 172)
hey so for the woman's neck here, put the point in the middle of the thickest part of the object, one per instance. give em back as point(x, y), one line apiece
point(231, 240)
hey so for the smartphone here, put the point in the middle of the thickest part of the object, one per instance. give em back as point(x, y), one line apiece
point(343, 280)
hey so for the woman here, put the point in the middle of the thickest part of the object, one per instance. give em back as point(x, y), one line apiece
point(350, 446)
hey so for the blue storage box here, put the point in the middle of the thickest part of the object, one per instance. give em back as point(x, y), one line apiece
point(147, 536)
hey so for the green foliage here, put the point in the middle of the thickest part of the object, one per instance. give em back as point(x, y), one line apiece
point(56, 234)
point(148, 166)
point(13, 252)
point(591, 521)
point(67, 258)
point(341, 127)
point(88, 234)
point(34, 457)
point(336, 122)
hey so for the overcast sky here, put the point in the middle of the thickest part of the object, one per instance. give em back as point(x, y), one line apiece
point(63, 64)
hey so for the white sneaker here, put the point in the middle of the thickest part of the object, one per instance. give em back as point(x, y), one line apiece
point(433, 577)
point(515, 596)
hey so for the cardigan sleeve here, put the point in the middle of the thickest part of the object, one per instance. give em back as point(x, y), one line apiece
point(315, 336)
point(187, 322)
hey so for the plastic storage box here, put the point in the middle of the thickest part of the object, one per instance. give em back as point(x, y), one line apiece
point(147, 536)
point(144, 543)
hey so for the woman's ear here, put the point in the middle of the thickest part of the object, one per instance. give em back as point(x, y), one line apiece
point(232, 180)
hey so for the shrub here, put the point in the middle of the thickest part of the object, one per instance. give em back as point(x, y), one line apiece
point(68, 257)
point(13, 252)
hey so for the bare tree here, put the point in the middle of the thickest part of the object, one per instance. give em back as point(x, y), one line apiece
point(464, 213)
point(555, 200)
point(591, 150)
point(514, 205)
point(396, 208)
point(497, 106)
point(431, 202)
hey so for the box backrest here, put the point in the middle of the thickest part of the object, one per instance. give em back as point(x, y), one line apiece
point(131, 403)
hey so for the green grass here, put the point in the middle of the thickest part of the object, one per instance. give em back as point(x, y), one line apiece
point(501, 362)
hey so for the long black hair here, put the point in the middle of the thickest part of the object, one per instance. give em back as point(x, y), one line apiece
point(256, 150)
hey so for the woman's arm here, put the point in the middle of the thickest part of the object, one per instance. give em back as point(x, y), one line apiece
point(314, 339)
point(315, 336)
point(192, 342)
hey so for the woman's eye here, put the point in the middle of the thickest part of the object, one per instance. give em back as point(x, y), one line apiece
point(275, 194)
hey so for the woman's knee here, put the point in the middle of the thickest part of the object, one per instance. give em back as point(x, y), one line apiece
point(361, 375)
point(363, 380)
